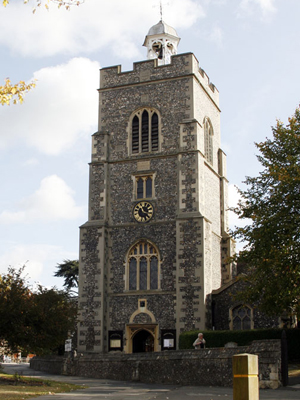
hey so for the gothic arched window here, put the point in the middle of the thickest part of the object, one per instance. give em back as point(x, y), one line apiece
point(208, 140)
point(144, 131)
point(241, 317)
point(142, 267)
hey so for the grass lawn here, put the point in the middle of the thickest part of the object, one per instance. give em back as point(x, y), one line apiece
point(16, 387)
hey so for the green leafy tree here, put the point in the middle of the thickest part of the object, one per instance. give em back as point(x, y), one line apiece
point(15, 304)
point(53, 315)
point(34, 321)
point(271, 202)
point(68, 270)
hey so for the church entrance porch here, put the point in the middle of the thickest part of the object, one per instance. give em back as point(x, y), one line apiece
point(141, 338)
point(142, 342)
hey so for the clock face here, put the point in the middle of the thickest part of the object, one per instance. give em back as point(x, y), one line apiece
point(143, 211)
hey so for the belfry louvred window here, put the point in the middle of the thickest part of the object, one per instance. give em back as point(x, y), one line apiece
point(154, 132)
point(145, 132)
point(135, 135)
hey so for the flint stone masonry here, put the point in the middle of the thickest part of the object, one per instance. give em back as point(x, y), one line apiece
point(223, 299)
point(186, 228)
point(205, 367)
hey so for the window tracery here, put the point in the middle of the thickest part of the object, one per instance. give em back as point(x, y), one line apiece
point(143, 267)
point(241, 317)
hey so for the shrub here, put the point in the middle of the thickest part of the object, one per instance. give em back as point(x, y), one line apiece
point(243, 338)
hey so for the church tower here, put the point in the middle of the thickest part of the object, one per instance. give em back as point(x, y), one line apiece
point(155, 243)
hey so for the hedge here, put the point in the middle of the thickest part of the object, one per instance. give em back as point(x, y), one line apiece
point(244, 338)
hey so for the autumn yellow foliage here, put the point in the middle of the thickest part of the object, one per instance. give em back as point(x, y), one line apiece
point(14, 93)
point(60, 3)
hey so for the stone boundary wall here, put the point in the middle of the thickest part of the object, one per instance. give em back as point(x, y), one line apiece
point(50, 364)
point(205, 367)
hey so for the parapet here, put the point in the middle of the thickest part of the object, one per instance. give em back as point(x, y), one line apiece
point(181, 65)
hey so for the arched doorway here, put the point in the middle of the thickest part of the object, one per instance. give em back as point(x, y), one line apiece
point(142, 342)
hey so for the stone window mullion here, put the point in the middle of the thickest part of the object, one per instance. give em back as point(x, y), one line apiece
point(143, 267)
point(144, 186)
point(145, 131)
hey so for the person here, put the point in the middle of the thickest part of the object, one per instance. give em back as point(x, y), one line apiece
point(199, 343)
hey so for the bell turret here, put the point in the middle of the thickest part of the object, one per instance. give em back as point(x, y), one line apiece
point(161, 42)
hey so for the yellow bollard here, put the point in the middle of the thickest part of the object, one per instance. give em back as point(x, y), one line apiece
point(245, 377)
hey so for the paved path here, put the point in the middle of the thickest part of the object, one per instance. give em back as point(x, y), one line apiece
point(117, 390)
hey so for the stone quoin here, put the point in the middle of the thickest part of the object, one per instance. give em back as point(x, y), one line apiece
point(156, 241)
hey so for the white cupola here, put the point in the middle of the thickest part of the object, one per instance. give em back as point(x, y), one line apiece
point(161, 42)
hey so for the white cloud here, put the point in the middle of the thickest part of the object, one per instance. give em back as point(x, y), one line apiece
point(38, 259)
point(90, 27)
point(31, 162)
point(53, 201)
point(216, 35)
point(57, 111)
point(18, 256)
point(267, 7)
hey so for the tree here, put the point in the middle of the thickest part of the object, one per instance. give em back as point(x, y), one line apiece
point(272, 202)
point(15, 302)
point(34, 321)
point(15, 92)
point(68, 270)
point(60, 3)
point(53, 315)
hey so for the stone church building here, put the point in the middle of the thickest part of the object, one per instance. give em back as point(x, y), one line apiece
point(156, 241)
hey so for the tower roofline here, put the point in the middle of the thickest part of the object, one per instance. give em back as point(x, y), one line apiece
point(150, 70)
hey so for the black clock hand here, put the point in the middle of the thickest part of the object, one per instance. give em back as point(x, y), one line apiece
point(141, 212)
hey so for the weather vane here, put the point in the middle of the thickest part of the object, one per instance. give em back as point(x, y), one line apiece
point(161, 4)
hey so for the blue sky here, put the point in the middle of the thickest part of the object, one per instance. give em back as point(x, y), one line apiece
point(248, 48)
